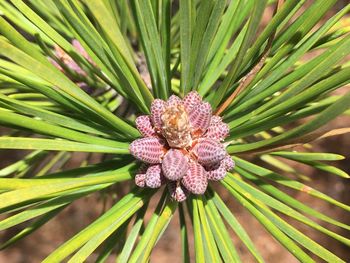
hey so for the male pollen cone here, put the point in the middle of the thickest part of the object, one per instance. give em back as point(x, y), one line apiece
point(181, 146)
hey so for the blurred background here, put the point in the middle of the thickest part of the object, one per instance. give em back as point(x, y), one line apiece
point(81, 213)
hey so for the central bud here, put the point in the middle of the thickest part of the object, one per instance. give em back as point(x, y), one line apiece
point(176, 127)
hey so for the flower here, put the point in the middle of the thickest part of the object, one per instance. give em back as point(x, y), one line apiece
point(181, 146)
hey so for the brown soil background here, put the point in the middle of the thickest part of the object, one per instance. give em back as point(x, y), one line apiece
point(84, 211)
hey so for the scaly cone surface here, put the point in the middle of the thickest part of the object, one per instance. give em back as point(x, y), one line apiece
point(181, 146)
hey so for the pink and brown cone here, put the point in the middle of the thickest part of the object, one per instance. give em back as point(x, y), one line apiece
point(181, 146)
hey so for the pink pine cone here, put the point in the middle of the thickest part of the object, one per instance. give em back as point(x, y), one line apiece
point(174, 165)
point(209, 151)
point(174, 100)
point(217, 174)
point(228, 163)
point(177, 191)
point(215, 119)
point(196, 179)
point(140, 178)
point(154, 176)
point(148, 150)
point(144, 125)
point(200, 117)
point(217, 130)
point(157, 109)
point(191, 99)
point(218, 171)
